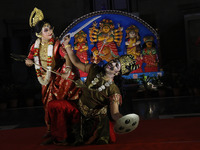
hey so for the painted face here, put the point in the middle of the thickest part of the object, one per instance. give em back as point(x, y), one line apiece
point(149, 44)
point(80, 39)
point(113, 67)
point(106, 29)
point(47, 32)
point(132, 34)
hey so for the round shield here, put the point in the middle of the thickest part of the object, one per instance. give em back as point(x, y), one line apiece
point(126, 124)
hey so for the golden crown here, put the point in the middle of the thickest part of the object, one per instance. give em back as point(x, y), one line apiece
point(148, 39)
point(132, 28)
point(35, 17)
point(107, 22)
point(128, 64)
point(80, 33)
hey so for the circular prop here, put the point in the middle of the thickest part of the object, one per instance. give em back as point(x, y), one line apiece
point(126, 124)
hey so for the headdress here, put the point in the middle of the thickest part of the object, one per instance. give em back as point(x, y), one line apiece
point(106, 22)
point(128, 64)
point(35, 17)
point(81, 33)
point(148, 39)
point(132, 28)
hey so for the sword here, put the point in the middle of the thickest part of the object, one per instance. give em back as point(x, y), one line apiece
point(79, 29)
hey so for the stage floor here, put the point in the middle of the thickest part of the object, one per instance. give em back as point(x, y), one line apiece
point(157, 134)
point(165, 124)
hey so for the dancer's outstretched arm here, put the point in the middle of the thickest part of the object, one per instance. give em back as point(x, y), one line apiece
point(74, 59)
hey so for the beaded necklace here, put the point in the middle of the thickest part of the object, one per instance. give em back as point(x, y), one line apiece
point(96, 80)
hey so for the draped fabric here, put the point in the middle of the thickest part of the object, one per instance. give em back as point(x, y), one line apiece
point(85, 121)
point(57, 88)
point(107, 51)
point(63, 116)
point(82, 56)
point(81, 53)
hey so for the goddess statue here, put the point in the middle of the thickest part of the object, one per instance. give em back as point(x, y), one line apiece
point(81, 46)
point(133, 45)
point(107, 39)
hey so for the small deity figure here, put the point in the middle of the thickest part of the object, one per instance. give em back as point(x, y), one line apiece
point(107, 39)
point(81, 46)
point(95, 56)
point(133, 45)
point(133, 42)
point(149, 52)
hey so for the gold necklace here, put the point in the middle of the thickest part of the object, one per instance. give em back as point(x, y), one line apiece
point(44, 43)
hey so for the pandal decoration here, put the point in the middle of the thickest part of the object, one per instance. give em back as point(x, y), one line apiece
point(47, 77)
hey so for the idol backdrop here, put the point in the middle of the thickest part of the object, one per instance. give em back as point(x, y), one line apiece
point(101, 36)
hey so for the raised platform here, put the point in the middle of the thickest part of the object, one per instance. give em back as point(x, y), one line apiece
point(158, 134)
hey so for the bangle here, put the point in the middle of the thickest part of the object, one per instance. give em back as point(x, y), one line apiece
point(68, 45)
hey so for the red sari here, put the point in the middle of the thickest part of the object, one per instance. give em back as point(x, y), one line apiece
point(57, 88)
point(73, 121)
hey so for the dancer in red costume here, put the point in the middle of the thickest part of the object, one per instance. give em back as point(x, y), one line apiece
point(47, 52)
point(89, 123)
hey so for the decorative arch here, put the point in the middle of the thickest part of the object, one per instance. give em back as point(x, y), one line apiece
point(118, 42)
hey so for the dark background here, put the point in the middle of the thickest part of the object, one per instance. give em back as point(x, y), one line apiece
point(166, 16)
point(177, 23)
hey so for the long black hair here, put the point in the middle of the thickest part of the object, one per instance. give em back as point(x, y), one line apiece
point(37, 29)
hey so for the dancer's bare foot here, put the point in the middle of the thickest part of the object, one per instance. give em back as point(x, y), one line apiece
point(48, 141)
point(47, 135)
